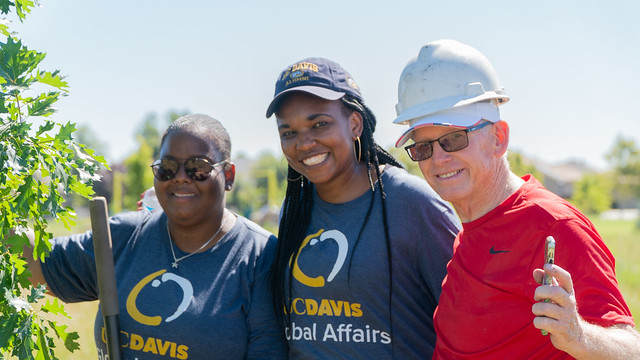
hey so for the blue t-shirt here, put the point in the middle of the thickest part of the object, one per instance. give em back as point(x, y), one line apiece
point(215, 305)
point(340, 303)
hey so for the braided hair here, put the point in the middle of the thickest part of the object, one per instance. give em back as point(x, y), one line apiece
point(298, 202)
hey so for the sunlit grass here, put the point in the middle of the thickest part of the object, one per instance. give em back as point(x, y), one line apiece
point(623, 239)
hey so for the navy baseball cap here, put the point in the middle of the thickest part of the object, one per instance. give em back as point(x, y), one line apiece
point(317, 76)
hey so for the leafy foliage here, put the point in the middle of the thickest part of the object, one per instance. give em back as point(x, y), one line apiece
point(592, 193)
point(401, 155)
point(520, 166)
point(625, 159)
point(40, 165)
point(138, 176)
point(264, 183)
point(153, 126)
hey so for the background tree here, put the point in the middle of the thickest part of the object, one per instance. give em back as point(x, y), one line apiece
point(84, 135)
point(270, 174)
point(153, 126)
point(401, 155)
point(137, 176)
point(592, 193)
point(624, 158)
point(259, 188)
point(40, 165)
point(521, 166)
point(243, 199)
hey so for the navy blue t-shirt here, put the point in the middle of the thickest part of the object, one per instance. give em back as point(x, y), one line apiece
point(215, 305)
point(340, 303)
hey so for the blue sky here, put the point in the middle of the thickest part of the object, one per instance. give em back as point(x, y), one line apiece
point(570, 67)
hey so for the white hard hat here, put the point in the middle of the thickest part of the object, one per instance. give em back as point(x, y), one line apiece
point(446, 74)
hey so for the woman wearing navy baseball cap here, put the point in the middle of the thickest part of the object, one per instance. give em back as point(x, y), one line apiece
point(363, 245)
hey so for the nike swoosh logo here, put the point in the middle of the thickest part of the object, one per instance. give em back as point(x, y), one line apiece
point(492, 251)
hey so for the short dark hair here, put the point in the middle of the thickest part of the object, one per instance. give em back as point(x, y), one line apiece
point(204, 127)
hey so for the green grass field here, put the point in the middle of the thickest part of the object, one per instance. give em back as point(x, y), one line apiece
point(622, 238)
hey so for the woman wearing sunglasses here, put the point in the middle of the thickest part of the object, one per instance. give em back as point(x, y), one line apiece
point(192, 279)
point(363, 245)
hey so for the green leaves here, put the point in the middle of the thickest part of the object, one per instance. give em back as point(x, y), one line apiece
point(5, 6)
point(42, 105)
point(52, 79)
point(17, 64)
point(4, 29)
point(7, 327)
point(18, 72)
point(22, 7)
point(20, 323)
point(40, 166)
point(54, 307)
point(69, 339)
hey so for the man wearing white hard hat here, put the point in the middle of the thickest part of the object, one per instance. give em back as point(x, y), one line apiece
point(492, 304)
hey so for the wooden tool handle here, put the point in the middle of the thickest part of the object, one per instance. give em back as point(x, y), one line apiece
point(107, 289)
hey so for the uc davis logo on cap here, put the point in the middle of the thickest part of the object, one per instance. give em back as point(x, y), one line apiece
point(297, 74)
point(298, 71)
point(304, 66)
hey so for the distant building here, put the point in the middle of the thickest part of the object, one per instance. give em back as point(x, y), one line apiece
point(560, 179)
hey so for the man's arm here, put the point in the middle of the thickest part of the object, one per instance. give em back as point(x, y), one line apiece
point(572, 334)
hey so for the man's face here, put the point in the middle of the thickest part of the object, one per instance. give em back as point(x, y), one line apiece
point(460, 177)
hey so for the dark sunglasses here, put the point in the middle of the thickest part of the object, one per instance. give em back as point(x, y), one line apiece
point(198, 169)
point(450, 142)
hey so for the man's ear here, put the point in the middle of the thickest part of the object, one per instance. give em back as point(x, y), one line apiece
point(501, 137)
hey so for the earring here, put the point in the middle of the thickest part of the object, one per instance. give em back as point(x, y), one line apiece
point(227, 187)
point(357, 152)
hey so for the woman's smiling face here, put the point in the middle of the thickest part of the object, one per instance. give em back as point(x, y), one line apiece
point(184, 200)
point(316, 136)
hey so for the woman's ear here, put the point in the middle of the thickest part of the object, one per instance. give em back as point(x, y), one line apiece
point(357, 124)
point(229, 175)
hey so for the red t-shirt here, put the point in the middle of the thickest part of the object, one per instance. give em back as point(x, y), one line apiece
point(485, 307)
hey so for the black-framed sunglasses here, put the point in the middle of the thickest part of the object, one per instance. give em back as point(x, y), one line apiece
point(450, 142)
point(198, 169)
